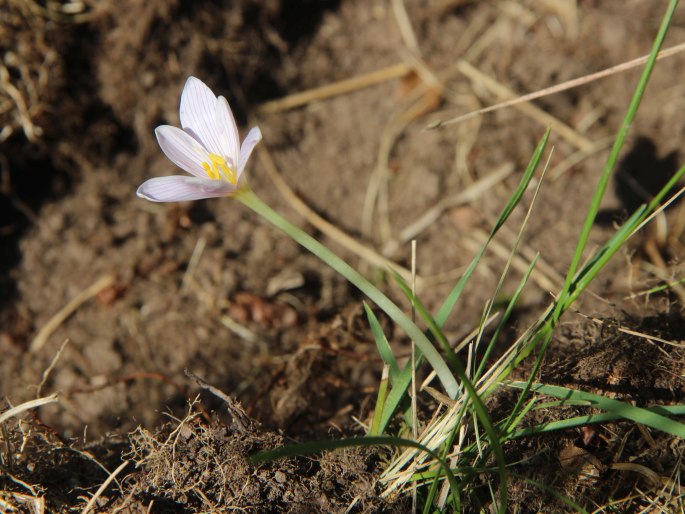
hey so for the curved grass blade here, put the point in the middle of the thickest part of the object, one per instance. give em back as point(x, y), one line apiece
point(252, 201)
point(589, 419)
point(649, 417)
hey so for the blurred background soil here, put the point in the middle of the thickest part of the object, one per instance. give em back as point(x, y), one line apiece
point(152, 289)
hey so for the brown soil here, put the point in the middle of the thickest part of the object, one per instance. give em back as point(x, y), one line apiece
point(211, 288)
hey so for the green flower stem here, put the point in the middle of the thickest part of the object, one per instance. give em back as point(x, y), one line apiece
point(253, 202)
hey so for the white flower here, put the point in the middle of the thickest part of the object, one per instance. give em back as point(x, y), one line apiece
point(207, 147)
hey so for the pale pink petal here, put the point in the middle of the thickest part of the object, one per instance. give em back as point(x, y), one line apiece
point(198, 114)
point(253, 137)
point(228, 132)
point(179, 188)
point(182, 150)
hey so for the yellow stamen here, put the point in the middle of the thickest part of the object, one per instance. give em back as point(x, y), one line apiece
point(218, 169)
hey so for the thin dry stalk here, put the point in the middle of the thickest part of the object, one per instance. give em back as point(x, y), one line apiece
point(70, 308)
point(32, 404)
point(404, 25)
point(104, 486)
point(564, 86)
point(53, 363)
point(429, 217)
point(342, 87)
point(544, 118)
point(330, 230)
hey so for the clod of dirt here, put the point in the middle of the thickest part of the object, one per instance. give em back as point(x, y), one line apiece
point(187, 467)
point(204, 468)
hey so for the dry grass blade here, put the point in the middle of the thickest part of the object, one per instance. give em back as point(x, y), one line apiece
point(564, 86)
point(342, 87)
point(104, 486)
point(330, 230)
point(534, 112)
point(12, 502)
point(52, 365)
point(467, 195)
point(31, 131)
point(404, 24)
point(547, 283)
point(32, 404)
point(69, 309)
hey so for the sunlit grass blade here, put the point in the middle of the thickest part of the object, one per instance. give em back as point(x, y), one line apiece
point(659, 288)
point(587, 274)
point(453, 297)
point(589, 419)
point(505, 318)
point(252, 201)
point(543, 334)
point(623, 410)
point(612, 161)
point(375, 428)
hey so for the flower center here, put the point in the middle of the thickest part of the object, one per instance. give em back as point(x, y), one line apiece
point(217, 168)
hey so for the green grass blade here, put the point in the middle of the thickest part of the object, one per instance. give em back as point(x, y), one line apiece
point(375, 428)
point(252, 201)
point(543, 334)
point(505, 318)
point(622, 410)
point(397, 394)
point(589, 419)
point(613, 160)
point(453, 297)
point(427, 318)
point(590, 270)
point(515, 420)
point(382, 343)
